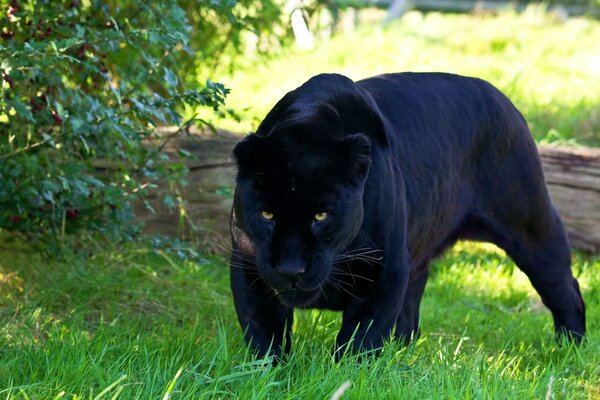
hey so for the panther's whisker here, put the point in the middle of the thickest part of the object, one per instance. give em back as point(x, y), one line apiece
point(360, 253)
point(323, 291)
point(333, 284)
point(243, 267)
point(358, 250)
point(253, 282)
point(341, 282)
point(362, 250)
point(233, 252)
point(351, 256)
point(341, 272)
point(339, 287)
point(359, 257)
point(367, 238)
point(369, 260)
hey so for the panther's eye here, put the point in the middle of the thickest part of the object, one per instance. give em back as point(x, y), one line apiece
point(267, 215)
point(320, 217)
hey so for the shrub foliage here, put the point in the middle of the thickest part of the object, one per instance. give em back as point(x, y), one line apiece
point(85, 83)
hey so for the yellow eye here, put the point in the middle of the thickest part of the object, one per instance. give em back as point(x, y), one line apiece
point(320, 217)
point(267, 215)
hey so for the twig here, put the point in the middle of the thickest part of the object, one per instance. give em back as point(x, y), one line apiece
point(185, 126)
point(23, 149)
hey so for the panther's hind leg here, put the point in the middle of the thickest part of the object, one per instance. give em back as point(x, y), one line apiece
point(544, 256)
point(512, 209)
point(408, 323)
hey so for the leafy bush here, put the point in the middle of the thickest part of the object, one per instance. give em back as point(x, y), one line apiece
point(83, 86)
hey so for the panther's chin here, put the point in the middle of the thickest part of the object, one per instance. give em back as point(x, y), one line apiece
point(298, 298)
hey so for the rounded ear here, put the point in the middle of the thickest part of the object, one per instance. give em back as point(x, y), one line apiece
point(359, 113)
point(244, 152)
point(358, 155)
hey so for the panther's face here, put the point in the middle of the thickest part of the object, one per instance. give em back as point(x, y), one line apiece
point(296, 206)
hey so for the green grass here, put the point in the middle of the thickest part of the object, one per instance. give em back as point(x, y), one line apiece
point(130, 323)
point(550, 69)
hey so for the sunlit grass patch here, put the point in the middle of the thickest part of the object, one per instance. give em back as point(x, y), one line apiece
point(132, 323)
point(547, 67)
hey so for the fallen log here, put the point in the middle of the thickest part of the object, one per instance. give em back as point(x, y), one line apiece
point(572, 175)
point(573, 179)
point(208, 195)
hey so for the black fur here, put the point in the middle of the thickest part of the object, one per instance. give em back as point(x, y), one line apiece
point(404, 165)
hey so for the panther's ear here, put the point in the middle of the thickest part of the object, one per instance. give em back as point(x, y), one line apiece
point(277, 113)
point(358, 156)
point(246, 149)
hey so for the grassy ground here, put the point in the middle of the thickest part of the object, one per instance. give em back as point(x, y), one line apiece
point(549, 68)
point(130, 323)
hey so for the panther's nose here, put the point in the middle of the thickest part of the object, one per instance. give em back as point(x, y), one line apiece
point(291, 271)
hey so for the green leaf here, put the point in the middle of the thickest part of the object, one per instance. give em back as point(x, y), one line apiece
point(185, 154)
point(170, 77)
point(225, 191)
point(169, 201)
point(21, 110)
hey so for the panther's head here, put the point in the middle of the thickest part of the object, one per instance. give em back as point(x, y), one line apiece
point(298, 203)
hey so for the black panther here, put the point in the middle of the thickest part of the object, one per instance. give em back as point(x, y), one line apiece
point(348, 190)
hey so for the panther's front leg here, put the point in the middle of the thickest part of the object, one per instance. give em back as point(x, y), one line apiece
point(266, 322)
point(369, 321)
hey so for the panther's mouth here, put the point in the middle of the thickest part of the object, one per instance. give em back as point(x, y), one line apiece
point(297, 297)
